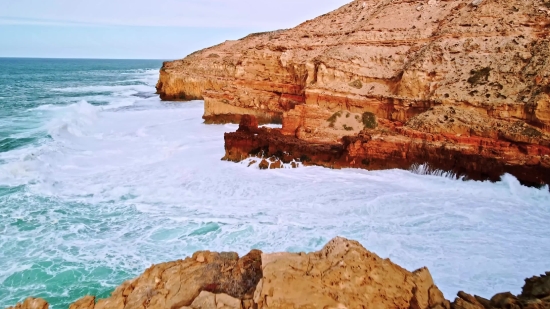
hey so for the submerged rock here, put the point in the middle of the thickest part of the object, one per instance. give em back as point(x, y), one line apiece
point(264, 164)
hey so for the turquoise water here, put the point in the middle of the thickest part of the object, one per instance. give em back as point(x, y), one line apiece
point(99, 179)
point(33, 261)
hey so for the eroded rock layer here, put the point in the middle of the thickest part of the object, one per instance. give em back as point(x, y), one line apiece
point(388, 146)
point(395, 64)
point(341, 275)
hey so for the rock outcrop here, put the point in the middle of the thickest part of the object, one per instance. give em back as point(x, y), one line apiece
point(31, 303)
point(341, 275)
point(535, 295)
point(390, 146)
point(392, 64)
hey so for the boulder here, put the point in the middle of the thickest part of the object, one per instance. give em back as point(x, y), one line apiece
point(31, 303)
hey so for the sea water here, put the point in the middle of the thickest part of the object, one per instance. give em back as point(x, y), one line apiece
point(99, 179)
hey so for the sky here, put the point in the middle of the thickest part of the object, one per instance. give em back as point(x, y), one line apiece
point(141, 29)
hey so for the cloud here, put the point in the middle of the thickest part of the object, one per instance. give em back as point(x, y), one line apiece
point(167, 13)
point(4, 20)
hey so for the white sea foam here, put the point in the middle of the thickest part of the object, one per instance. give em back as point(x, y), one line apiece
point(73, 119)
point(426, 169)
point(119, 188)
point(144, 82)
point(114, 88)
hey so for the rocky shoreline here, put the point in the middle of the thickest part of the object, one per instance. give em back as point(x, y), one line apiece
point(341, 275)
point(386, 147)
point(459, 85)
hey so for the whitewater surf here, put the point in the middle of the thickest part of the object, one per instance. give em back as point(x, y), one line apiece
point(99, 179)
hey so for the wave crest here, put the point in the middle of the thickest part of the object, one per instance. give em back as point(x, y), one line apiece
point(73, 119)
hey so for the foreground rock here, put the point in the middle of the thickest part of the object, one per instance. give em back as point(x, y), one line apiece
point(341, 275)
point(390, 64)
point(31, 303)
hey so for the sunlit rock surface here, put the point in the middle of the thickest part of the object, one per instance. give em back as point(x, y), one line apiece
point(341, 275)
point(393, 64)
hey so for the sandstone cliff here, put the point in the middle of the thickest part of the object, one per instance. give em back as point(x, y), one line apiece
point(395, 59)
point(341, 275)
point(386, 147)
point(398, 67)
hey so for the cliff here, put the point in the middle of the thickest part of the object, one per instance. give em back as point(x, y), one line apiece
point(341, 275)
point(387, 147)
point(469, 78)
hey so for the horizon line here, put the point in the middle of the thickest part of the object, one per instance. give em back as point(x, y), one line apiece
point(84, 58)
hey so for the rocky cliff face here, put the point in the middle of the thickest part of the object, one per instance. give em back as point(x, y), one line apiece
point(386, 147)
point(399, 67)
point(341, 275)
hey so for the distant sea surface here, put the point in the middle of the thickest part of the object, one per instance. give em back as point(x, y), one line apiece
point(99, 179)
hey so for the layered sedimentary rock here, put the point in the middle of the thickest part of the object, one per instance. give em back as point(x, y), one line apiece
point(391, 146)
point(341, 275)
point(397, 66)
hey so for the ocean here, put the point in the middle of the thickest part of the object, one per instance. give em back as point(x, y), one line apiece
point(99, 180)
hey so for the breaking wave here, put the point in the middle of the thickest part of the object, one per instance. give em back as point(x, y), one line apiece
point(113, 188)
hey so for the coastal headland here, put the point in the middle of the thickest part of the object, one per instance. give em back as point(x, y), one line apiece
point(457, 85)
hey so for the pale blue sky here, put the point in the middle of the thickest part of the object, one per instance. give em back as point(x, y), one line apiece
point(160, 29)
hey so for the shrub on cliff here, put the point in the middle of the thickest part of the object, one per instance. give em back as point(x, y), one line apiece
point(332, 119)
point(369, 120)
